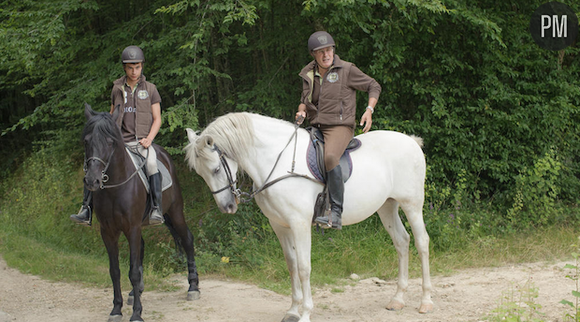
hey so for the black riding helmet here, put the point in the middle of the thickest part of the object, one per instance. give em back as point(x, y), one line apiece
point(319, 40)
point(132, 54)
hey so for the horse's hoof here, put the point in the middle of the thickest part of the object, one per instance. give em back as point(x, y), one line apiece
point(395, 306)
point(291, 318)
point(115, 318)
point(130, 300)
point(193, 295)
point(426, 308)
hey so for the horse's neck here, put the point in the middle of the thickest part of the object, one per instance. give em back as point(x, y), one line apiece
point(270, 140)
point(121, 164)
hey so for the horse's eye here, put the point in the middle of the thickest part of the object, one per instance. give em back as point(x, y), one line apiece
point(217, 170)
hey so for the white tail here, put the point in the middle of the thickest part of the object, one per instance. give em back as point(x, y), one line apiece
point(418, 140)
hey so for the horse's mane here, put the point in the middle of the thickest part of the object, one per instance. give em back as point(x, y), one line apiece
point(102, 127)
point(232, 133)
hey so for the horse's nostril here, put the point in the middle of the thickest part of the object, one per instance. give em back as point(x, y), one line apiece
point(231, 208)
point(89, 183)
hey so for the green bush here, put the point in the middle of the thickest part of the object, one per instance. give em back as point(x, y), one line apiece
point(518, 304)
point(536, 194)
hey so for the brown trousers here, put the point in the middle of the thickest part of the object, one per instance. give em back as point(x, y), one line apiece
point(336, 139)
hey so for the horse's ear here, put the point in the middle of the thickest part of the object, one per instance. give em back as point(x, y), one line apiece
point(205, 142)
point(209, 141)
point(116, 112)
point(191, 136)
point(89, 111)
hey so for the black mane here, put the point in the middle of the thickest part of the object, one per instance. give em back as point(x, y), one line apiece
point(102, 127)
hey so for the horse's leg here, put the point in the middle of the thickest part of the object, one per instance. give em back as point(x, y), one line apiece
point(301, 234)
point(389, 215)
point(185, 237)
point(110, 239)
point(135, 275)
point(286, 241)
point(175, 222)
point(141, 284)
point(414, 213)
point(192, 276)
point(141, 257)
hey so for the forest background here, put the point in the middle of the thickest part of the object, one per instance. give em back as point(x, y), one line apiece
point(499, 117)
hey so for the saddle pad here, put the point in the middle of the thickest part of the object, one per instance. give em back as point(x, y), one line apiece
point(137, 159)
point(345, 160)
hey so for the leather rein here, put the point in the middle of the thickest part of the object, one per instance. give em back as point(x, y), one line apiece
point(105, 177)
point(232, 183)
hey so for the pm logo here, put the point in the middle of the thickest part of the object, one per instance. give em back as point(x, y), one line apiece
point(554, 26)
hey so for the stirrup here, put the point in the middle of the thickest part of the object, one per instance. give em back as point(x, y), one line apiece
point(327, 222)
point(324, 222)
point(80, 220)
point(154, 218)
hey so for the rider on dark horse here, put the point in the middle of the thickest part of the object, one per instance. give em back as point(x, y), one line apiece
point(140, 121)
point(329, 87)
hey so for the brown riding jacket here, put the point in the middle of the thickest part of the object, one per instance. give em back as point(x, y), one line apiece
point(337, 100)
point(144, 95)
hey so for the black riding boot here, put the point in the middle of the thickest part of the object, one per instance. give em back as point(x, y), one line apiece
point(156, 216)
point(85, 215)
point(336, 194)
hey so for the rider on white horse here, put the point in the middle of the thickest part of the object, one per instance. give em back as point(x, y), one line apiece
point(328, 100)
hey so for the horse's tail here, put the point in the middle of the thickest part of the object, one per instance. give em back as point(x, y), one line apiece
point(418, 140)
point(178, 244)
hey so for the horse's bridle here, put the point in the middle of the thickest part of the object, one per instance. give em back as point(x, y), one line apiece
point(231, 182)
point(104, 176)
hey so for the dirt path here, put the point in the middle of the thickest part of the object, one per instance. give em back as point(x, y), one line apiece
point(466, 296)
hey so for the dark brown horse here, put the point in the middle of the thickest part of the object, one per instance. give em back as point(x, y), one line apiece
point(120, 203)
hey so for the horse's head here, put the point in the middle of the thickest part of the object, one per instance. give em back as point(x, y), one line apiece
point(218, 171)
point(100, 136)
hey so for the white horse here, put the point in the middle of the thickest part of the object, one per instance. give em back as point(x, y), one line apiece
point(388, 172)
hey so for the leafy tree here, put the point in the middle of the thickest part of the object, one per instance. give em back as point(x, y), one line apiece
point(467, 77)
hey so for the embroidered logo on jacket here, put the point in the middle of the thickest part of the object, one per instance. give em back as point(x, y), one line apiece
point(143, 94)
point(332, 77)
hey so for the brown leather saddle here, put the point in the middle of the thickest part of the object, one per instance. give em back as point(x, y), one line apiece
point(315, 155)
point(315, 161)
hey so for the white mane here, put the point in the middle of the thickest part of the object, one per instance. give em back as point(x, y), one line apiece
point(232, 133)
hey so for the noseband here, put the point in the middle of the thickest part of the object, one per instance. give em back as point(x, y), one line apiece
point(231, 182)
point(104, 176)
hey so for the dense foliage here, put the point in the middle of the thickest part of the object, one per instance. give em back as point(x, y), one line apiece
point(499, 115)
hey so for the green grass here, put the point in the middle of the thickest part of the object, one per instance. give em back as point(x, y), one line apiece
point(32, 257)
point(332, 260)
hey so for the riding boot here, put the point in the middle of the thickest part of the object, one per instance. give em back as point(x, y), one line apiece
point(156, 216)
point(85, 215)
point(336, 195)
